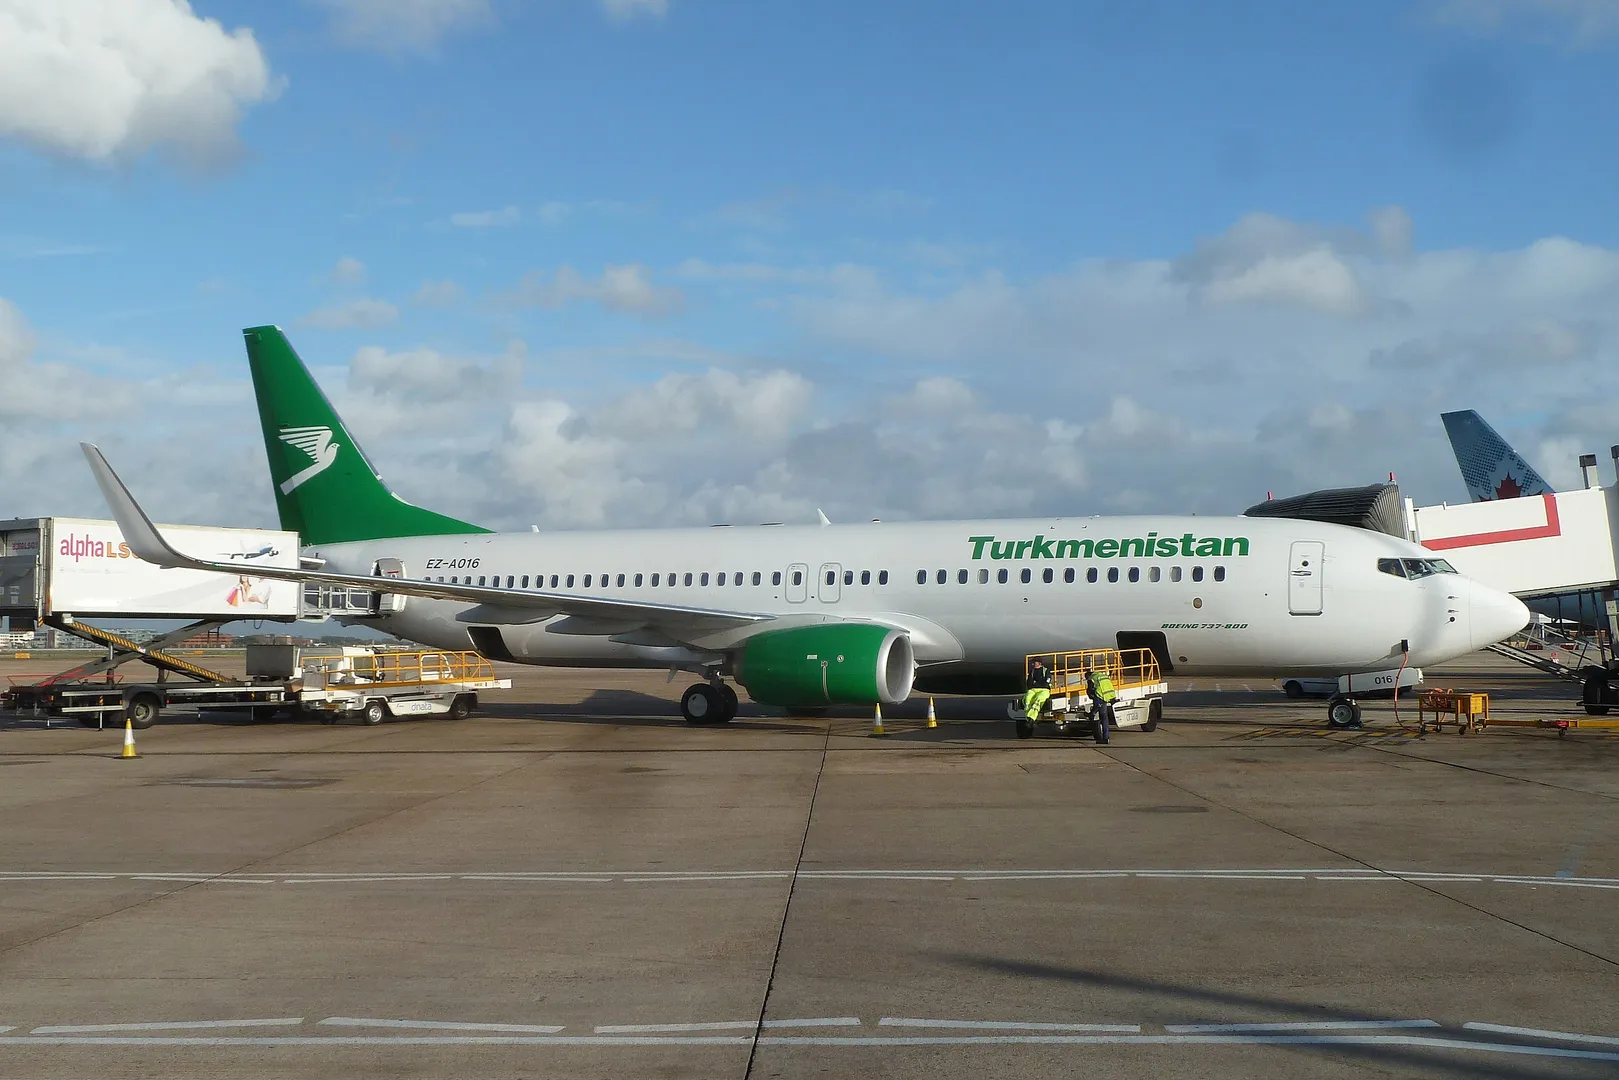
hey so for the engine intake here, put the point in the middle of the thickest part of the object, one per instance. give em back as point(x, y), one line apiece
point(834, 664)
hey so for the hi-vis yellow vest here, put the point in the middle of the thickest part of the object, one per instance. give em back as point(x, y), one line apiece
point(1104, 687)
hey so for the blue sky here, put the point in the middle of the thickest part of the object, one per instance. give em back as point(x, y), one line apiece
point(585, 262)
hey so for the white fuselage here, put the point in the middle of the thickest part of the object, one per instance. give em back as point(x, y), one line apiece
point(1229, 595)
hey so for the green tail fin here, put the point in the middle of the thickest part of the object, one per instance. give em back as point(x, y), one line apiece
point(325, 487)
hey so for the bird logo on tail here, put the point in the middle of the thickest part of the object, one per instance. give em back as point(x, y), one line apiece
point(317, 443)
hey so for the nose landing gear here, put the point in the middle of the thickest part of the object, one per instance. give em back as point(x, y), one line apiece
point(712, 702)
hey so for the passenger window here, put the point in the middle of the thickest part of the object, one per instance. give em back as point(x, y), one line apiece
point(775, 577)
point(1197, 573)
point(921, 577)
point(525, 581)
point(452, 580)
point(831, 577)
point(654, 579)
point(1135, 573)
point(480, 579)
point(621, 581)
point(1219, 573)
point(756, 577)
point(688, 577)
point(961, 577)
point(1001, 577)
point(983, 577)
point(1090, 575)
point(1046, 577)
point(637, 581)
point(510, 581)
point(1026, 575)
point(554, 581)
point(865, 577)
point(1068, 575)
point(570, 581)
point(606, 580)
point(1174, 573)
point(848, 577)
point(943, 576)
point(721, 578)
point(1113, 573)
point(798, 577)
point(703, 580)
point(882, 577)
point(1153, 574)
point(587, 581)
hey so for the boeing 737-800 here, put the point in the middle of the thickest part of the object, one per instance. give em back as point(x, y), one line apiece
point(805, 616)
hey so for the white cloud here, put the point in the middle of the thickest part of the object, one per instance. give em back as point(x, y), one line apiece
point(487, 219)
point(436, 294)
point(360, 314)
point(348, 271)
point(1585, 22)
point(109, 80)
point(625, 10)
point(431, 374)
point(404, 25)
point(626, 289)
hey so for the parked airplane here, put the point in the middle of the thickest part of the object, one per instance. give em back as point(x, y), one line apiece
point(1490, 466)
point(848, 614)
point(1493, 470)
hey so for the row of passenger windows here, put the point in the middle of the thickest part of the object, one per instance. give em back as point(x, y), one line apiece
point(566, 581)
point(1048, 575)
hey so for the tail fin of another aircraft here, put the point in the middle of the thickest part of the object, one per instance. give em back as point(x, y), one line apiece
point(325, 487)
point(1492, 468)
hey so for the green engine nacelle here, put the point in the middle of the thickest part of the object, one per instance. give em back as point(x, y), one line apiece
point(830, 664)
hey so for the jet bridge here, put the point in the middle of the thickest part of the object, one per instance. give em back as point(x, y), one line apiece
point(1545, 546)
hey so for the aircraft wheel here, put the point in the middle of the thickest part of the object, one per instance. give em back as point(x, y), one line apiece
point(1155, 713)
point(729, 703)
point(1343, 713)
point(701, 704)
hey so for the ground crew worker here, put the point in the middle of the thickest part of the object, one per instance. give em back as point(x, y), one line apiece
point(1099, 687)
point(1038, 692)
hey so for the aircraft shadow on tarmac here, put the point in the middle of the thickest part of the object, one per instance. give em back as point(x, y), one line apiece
point(1182, 1004)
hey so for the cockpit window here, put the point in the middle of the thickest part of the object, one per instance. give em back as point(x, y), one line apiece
point(1414, 568)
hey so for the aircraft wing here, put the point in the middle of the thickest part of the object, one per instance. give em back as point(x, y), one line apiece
point(589, 614)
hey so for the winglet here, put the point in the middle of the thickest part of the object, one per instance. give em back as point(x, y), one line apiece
point(139, 532)
point(821, 514)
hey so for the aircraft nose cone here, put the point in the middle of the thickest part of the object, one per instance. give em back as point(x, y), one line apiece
point(1493, 615)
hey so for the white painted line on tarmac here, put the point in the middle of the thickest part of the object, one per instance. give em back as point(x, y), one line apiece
point(1307, 1025)
point(7, 1027)
point(439, 1025)
point(558, 880)
point(174, 1025)
point(1003, 1025)
point(1538, 1033)
point(376, 1040)
point(1074, 1039)
point(387, 879)
point(640, 1029)
point(822, 1021)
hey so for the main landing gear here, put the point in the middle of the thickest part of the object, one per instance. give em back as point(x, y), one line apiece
point(709, 703)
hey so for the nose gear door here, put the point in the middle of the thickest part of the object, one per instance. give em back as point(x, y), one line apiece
point(1304, 577)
